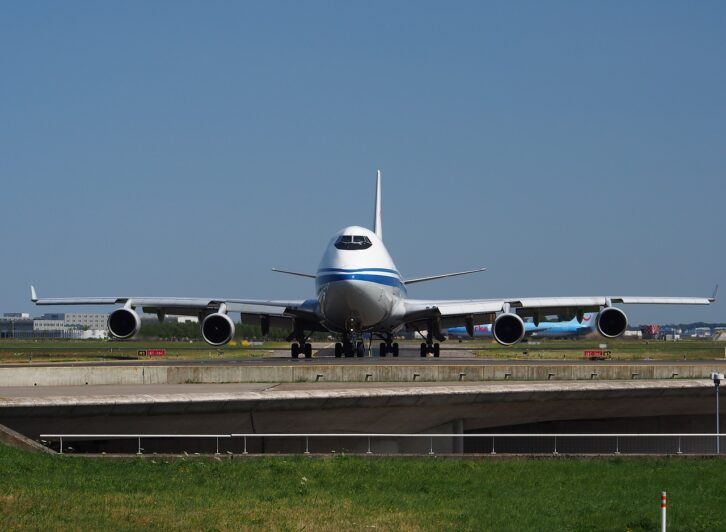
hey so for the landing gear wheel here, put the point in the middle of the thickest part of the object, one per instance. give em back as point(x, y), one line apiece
point(295, 350)
point(348, 349)
point(308, 351)
point(424, 349)
point(383, 349)
point(437, 350)
point(394, 349)
point(360, 349)
point(338, 350)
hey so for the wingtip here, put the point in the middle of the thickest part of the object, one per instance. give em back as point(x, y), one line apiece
point(33, 294)
point(713, 296)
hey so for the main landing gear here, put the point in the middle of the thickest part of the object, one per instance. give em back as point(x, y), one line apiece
point(302, 348)
point(427, 348)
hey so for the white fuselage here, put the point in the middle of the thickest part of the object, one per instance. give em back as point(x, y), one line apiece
point(358, 286)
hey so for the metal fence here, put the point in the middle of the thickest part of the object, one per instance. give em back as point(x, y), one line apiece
point(391, 444)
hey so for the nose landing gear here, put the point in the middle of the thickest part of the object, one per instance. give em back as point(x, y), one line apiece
point(388, 346)
point(348, 349)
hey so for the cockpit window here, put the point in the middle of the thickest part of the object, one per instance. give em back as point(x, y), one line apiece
point(353, 242)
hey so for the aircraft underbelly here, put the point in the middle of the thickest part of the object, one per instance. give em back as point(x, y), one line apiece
point(355, 305)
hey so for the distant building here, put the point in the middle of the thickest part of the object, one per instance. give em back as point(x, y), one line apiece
point(16, 327)
point(52, 316)
point(98, 321)
point(20, 325)
point(48, 325)
point(702, 332)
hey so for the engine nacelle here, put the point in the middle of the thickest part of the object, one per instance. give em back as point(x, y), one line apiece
point(217, 329)
point(508, 329)
point(611, 322)
point(123, 323)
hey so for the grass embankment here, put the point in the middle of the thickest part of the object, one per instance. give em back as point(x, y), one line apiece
point(52, 492)
point(22, 351)
point(620, 349)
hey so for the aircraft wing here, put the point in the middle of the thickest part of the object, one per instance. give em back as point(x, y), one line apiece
point(193, 306)
point(455, 313)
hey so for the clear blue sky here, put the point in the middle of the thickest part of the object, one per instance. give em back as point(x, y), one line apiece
point(177, 148)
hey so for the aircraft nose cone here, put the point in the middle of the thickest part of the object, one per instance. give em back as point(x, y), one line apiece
point(353, 304)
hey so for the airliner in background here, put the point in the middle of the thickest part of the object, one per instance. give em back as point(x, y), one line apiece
point(544, 329)
point(360, 291)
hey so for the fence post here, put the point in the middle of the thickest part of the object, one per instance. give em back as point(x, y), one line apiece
point(307, 446)
point(369, 445)
point(663, 512)
point(217, 445)
point(679, 446)
point(493, 451)
point(555, 451)
point(61, 444)
point(431, 446)
point(245, 449)
point(139, 451)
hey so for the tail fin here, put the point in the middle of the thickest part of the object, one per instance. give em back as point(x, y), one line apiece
point(377, 222)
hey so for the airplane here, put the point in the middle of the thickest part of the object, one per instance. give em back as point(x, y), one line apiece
point(545, 329)
point(359, 291)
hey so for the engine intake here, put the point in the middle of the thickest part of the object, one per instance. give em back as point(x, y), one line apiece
point(217, 329)
point(612, 322)
point(123, 323)
point(508, 329)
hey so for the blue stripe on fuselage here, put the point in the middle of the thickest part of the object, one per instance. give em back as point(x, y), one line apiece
point(378, 279)
point(343, 270)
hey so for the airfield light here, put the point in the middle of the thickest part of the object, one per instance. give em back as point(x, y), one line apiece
point(717, 378)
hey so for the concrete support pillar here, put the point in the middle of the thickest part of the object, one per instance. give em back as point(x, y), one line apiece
point(458, 442)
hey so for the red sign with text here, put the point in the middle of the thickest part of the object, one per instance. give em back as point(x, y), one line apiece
point(152, 352)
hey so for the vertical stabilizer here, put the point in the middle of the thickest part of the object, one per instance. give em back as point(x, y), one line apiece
point(377, 222)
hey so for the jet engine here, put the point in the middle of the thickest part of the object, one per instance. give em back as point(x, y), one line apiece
point(123, 323)
point(612, 322)
point(217, 329)
point(508, 329)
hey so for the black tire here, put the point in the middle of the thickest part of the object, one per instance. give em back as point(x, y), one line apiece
point(383, 349)
point(437, 350)
point(338, 350)
point(394, 349)
point(295, 350)
point(308, 351)
point(424, 349)
point(360, 349)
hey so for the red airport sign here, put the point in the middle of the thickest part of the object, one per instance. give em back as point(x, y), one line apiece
point(152, 352)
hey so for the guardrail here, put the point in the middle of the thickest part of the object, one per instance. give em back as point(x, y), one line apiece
point(500, 443)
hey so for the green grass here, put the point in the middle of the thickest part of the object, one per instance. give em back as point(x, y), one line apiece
point(350, 493)
point(621, 349)
point(22, 351)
